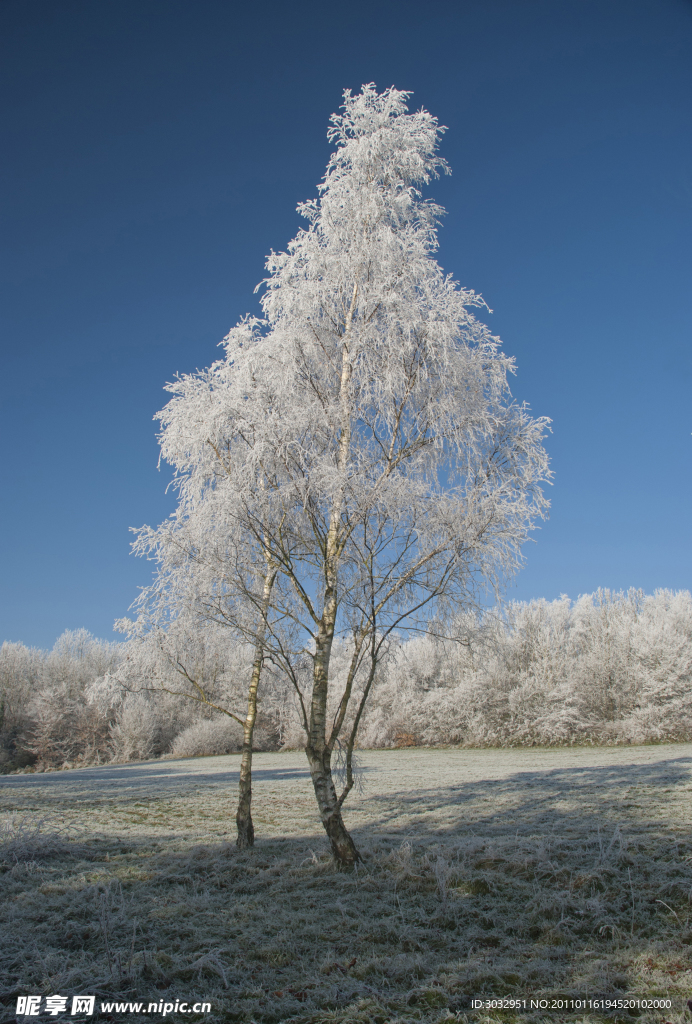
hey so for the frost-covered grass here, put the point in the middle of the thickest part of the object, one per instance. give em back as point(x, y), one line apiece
point(519, 873)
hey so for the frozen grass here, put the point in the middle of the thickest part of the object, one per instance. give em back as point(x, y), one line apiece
point(487, 873)
point(30, 837)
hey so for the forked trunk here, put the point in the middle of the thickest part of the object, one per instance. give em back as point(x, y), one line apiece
point(343, 847)
point(243, 818)
point(319, 750)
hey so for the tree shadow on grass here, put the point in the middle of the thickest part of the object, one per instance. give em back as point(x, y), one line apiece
point(529, 801)
point(123, 780)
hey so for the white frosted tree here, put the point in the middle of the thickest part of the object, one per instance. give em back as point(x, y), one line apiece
point(377, 462)
point(409, 475)
point(663, 639)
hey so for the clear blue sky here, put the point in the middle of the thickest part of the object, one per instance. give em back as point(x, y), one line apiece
point(154, 152)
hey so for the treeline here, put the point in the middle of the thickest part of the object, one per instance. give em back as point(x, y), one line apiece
point(608, 668)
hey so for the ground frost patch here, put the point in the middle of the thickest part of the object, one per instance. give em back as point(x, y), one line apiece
point(487, 874)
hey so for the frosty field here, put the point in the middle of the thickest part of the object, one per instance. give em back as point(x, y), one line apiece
point(560, 874)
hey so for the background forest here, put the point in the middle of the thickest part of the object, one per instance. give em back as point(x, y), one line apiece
point(608, 668)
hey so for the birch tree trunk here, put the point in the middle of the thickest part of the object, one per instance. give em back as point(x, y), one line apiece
point(243, 818)
point(319, 749)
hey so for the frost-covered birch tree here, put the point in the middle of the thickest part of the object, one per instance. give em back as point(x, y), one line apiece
point(410, 475)
point(390, 473)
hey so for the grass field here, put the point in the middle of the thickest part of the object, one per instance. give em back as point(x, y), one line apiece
point(550, 875)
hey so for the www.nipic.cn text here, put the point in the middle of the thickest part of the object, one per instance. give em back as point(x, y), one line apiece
point(31, 1006)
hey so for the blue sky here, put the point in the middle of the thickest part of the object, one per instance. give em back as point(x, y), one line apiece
point(154, 153)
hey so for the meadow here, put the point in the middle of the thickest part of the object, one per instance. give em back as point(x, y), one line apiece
point(559, 874)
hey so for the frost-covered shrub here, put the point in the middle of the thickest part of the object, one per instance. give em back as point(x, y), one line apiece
point(20, 678)
point(608, 668)
point(208, 737)
point(47, 718)
point(77, 658)
point(611, 668)
point(66, 731)
point(135, 735)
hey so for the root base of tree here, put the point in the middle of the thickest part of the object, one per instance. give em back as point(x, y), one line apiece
point(246, 833)
point(343, 848)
